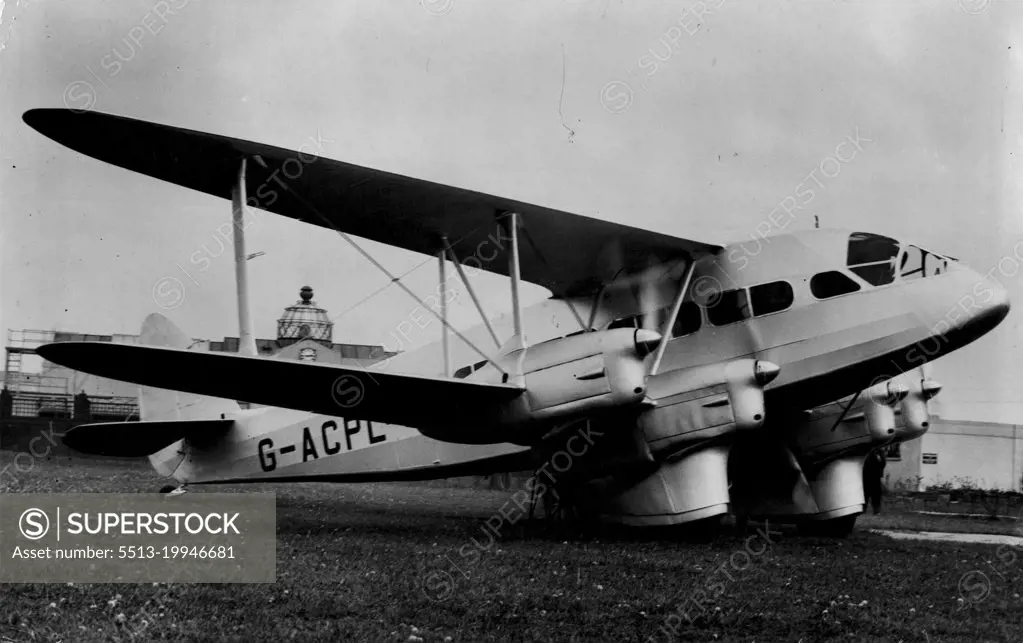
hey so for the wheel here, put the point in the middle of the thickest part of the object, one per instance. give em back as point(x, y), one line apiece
point(834, 528)
point(167, 488)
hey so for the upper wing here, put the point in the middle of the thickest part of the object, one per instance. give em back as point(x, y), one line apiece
point(436, 406)
point(567, 253)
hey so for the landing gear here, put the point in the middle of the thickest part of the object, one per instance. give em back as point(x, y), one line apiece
point(171, 490)
point(702, 531)
point(565, 502)
point(563, 508)
point(834, 528)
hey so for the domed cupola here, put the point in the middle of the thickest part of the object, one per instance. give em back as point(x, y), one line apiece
point(304, 320)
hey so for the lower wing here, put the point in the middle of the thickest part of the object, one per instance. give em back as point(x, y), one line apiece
point(434, 405)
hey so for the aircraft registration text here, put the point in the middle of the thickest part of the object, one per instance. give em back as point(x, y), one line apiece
point(326, 441)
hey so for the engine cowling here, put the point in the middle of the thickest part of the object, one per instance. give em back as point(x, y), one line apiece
point(916, 417)
point(882, 398)
point(835, 429)
point(576, 375)
point(707, 401)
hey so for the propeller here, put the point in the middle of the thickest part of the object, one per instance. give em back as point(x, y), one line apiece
point(647, 278)
point(653, 300)
point(655, 288)
point(752, 339)
point(929, 388)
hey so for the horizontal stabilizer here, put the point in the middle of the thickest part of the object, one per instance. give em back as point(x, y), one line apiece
point(434, 405)
point(138, 439)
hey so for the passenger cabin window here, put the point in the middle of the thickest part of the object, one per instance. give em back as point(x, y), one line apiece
point(731, 307)
point(466, 371)
point(872, 257)
point(771, 298)
point(625, 322)
point(688, 320)
point(826, 285)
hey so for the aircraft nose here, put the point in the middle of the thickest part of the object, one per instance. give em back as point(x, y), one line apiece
point(997, 305)
point(984, 307)
point(1001, 302)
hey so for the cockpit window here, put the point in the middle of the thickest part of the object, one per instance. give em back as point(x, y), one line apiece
point(911, 265)
point(870, 248)
point(934, 265)
point(826, 285)
point(917, 263)
point(732, 306)
point(872, 257)
point(877, 274)
point(771, 298)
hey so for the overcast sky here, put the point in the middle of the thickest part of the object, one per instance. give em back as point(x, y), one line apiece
point(560, 104)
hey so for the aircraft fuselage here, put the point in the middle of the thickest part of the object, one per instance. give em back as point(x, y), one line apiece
point(837, 312)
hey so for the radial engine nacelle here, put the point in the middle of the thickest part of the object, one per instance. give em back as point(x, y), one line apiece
point(879, 411)
point(853, 424)
point(702, 402)
point(581, 374)
point(916, 417)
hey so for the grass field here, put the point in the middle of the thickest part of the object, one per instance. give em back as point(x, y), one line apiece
point(382, 562)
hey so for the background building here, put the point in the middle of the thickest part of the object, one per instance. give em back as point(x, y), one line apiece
point(984, 455)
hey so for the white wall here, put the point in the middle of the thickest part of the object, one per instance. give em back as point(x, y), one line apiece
point(988, 455)
point(903, 473)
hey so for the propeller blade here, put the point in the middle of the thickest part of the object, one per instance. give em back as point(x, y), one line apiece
point(651, 298)
point(752, 339)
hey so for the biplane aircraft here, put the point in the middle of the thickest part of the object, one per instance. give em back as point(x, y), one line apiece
point(685, 379)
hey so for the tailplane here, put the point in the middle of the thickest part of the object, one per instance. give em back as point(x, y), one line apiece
point(166, 417)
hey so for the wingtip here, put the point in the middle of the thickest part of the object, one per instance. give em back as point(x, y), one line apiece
point(47, 121)
point(48, 352)
point(53, 121)
point(32, 118)
point(36, 117)
point(69, 354)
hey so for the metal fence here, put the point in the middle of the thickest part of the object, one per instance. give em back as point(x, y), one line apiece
point(44, 405)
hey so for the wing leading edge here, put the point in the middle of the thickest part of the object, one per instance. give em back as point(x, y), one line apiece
point(435, 406)
point(389, 208)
